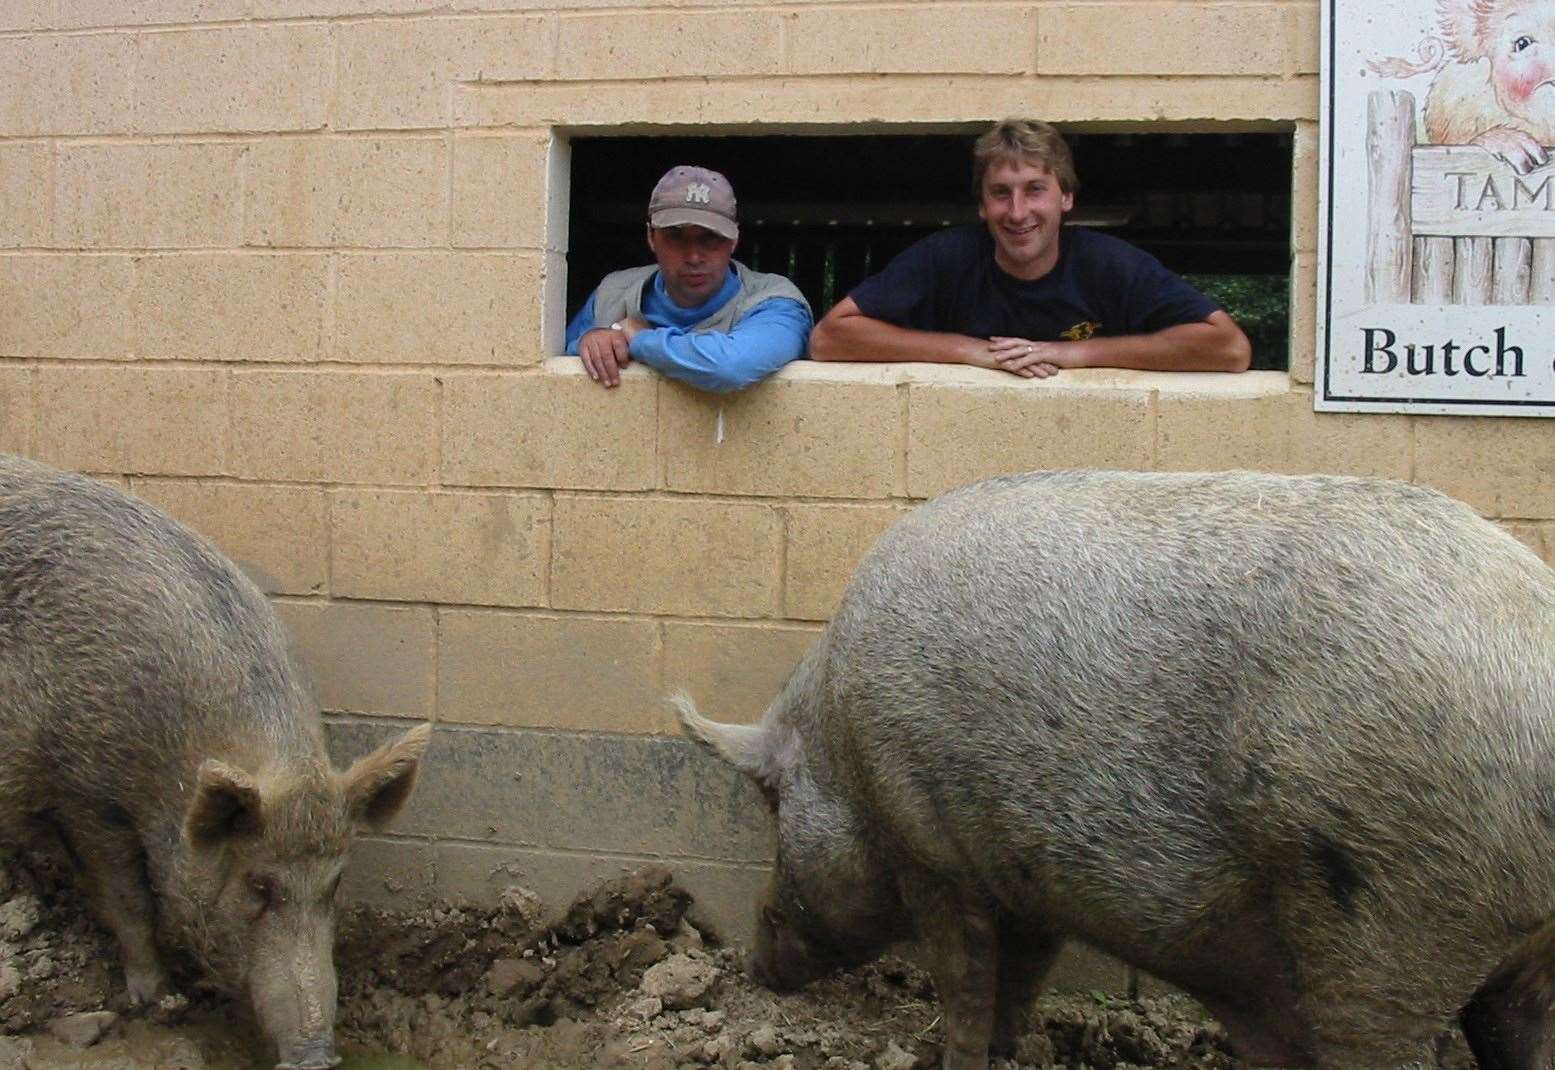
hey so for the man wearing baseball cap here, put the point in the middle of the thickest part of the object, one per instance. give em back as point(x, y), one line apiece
point(695, 314)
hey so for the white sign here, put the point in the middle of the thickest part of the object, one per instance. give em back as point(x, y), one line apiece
point(1436, 244)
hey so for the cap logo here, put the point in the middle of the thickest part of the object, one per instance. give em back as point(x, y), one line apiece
point(699, 193)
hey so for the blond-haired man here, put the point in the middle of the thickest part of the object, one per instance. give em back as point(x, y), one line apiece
point(1024, 294)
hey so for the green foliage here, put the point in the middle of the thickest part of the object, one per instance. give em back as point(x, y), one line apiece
point(1261, 305)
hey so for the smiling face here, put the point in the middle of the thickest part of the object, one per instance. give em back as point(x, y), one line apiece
point(693, 260)
point(1023, 206)
point(1522, 60)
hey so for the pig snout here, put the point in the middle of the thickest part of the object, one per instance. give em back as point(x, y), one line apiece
point(294, 999)
point(759, 973)
point(319, 1055)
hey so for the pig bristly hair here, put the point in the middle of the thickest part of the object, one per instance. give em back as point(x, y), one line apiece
point(1466, 26)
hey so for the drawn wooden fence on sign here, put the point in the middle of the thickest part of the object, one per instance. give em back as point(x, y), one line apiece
point(1451, 224)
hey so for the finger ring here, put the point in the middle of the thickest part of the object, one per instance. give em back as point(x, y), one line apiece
point(1028, 349)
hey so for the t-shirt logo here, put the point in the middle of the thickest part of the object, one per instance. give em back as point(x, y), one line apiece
point(1081, 331)
point(699, 193)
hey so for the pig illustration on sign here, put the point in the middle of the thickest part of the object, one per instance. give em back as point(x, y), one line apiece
point(1493, 82)
point(1286, 743)
point(154, 724)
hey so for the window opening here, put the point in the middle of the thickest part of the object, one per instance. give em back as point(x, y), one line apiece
point(829, 211)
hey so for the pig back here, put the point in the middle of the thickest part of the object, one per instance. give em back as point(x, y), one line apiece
point(1083, 677)
point(129, 648)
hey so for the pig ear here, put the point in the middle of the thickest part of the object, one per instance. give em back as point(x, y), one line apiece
point(1463, 24)
point(226, 804)
point(378, 785)
point(742, 746)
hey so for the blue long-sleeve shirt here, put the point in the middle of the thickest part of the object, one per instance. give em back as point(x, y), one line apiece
point(766, 338)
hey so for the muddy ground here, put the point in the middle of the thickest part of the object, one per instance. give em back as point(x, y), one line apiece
point(623, 980)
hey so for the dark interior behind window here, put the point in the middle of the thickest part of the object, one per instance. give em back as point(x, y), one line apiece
point(827, 211)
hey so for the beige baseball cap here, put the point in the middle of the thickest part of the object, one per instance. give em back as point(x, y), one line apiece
point(694, 196)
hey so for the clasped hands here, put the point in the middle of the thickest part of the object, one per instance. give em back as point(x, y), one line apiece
point(1028, 359)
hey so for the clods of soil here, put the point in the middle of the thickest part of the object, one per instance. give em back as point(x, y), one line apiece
point(625, 980)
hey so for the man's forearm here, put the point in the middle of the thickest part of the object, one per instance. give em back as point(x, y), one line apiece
point(863, 338)
point(1188, 347)
point(719, 361)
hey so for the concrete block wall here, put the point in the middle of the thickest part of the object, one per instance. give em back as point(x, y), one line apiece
point(294, 270)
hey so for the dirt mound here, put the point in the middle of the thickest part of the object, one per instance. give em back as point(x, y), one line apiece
point(54, 960)
point(622, 981)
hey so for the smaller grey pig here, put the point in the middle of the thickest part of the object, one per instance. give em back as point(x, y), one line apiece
point(154, 721)
point(1287, 743)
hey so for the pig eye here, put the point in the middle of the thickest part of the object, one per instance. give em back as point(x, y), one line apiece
point(261, 892)
point(1521, 43)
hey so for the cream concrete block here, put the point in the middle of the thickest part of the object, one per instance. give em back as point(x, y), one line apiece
point(17, 408)
point(85, 14)
point(1345, 443)
point(912, 39)
point(1155, 38)
point(363, 192)
point(65, 305)
point(820, 103)
point(500, 195)
point(28, 14)
point(550, 430)
point(820, 439)
point(1501, 466)
point(423, 546)
point(1305, 183)
point(579, 673)
point(733, 671)
point(1215, 432)
point(1303, 317)
point(671, 556)
point(333, 426)
point(399, 74)
point(231, 306)
point(959, 433)
point(392, 191)
point(78, 84)
point(292, 194)
point(165, 421)
point(367, 658)
point(1534, 536)
point(471, 308)
point(24, 194)
point(148, 196)
point(294, 9)
point(824, 545)
point(621, 45)
point(278, 534)
point(251, 78)
point(1307, 48)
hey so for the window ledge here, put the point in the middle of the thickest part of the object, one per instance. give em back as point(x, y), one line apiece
point(1220, 384)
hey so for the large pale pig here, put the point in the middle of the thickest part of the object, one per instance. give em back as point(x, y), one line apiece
point(154, 722)
point(1288, 743)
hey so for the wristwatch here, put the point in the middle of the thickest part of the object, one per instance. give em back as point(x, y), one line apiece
point(618, 325)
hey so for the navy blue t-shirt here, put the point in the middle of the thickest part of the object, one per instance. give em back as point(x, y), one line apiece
point(1100, 285)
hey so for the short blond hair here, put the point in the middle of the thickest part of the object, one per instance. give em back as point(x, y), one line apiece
point(1023, 141)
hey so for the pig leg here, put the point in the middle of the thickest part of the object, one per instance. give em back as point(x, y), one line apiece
point(109, 861)
point(1026, 953)
point(959, 934)
point(1507, 1020)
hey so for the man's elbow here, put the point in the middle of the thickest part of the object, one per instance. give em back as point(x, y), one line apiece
point(1237, 352)
point(824, 343)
